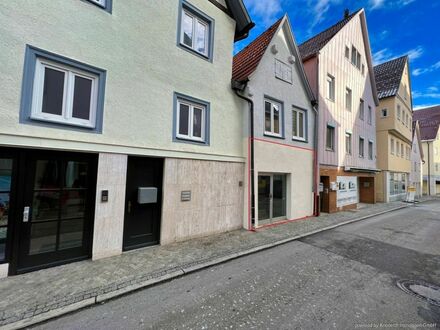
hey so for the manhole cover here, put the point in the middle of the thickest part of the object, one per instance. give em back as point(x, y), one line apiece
point(422, 290)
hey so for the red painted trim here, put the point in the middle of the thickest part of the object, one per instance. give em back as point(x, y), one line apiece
point(249, 184)
point(284, 145)
point(285, 221)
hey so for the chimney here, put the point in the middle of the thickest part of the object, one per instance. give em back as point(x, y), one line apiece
point(346, 13)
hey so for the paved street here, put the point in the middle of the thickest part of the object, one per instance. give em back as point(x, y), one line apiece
point(342, 278)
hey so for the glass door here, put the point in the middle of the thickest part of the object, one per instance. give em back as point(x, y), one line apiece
point(57, 211)
point(271, 198)
point(6, 168)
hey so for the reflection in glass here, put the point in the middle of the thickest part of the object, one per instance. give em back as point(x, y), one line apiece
point(201, 37)
point(43, 238)
point(187, 30)
point(197, 128)
point(76, 175)
point(45, 206)
point(279, 196)
point(73, 204)
point(71, 234)
point(46, 175)
point(267, 117)
point(263, 197)
point(53, 92)
point(183, 119)
point(82, 98)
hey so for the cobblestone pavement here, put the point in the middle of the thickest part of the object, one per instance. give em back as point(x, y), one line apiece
point(29, 295)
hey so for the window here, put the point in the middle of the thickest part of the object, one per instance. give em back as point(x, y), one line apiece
point(330, 138)
point(106, 4)
point(299, 124)
point(61, 92)
point(353, 55)
point(384, 113)
point(402, 150)
point(348, 99)
point(361, 147)
point(436, 151)
point(370, 115)
point(283, 71)
point(392, 146)
point(196, 31)
point(272, 118)
point(407, 120)
point(398, 112)
point(348, 143)
point(407, 153)
point(397, 148)
point(361, 110)
point(358, 62)
point(330, 87)
point(347, 52)
point(370, 150)
point(363, 69)
point(191, 119)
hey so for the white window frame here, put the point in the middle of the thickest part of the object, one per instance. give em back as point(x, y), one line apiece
point(361, 109)
point(398, 112)
point(370, 150)
point(333, 138)
point(361, 155)
point(68, 94)
point(195, 19)
point(102, 3)
point(348, 93)
point(192, 106)
point(298, 137)
point(273, 105)
point(392, 146)
point(349, 146)
point(331, 87)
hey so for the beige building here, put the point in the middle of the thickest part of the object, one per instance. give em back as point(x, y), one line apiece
point(417, 161)
point(429, 121)
point(394, 129)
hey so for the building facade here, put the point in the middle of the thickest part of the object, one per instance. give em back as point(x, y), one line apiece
point(417, 161)
point(279, 132)
point(108, 143)
point(429, 121)
point(339, 67)
point(394, 129)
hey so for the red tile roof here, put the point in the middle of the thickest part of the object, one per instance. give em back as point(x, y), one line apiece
point(429, 121)
point(311, 47)
point(247, 60)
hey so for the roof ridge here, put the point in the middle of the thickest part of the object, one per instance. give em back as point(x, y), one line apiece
point(392, 60)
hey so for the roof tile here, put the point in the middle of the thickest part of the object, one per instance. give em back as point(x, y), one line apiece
point(388, 76)
point(429, 122)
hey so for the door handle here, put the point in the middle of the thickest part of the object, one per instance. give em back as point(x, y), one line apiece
point(26, 211)
point(129, 207)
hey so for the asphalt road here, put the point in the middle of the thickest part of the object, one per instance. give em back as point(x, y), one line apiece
point(343, 279)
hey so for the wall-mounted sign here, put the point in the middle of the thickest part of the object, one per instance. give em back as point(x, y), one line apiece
point(347, 193)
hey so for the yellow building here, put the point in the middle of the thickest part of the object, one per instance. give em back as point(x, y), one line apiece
point(429, 121)
point(394, 129)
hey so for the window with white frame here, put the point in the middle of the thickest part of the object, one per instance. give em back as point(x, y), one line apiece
point(299, 124)
point(361, 110)
point(402, 150)
point(101, 3)
point(397, 148)
point(272, 118)
point(370, 115)
point(191, 120)
point(64, 95)
point(330, 87)
point(398, 112)
point(361, 147)
point(330, 138)
point(348, 99)
point(370, 150)
point(195, 32)
point(392, 146)
point(348, 143)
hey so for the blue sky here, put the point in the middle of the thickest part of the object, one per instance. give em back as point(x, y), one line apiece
point(396, 27)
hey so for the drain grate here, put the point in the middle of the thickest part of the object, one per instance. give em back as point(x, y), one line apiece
point(422, 290)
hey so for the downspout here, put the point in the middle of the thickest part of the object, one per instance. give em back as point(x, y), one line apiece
point(316, 211)
point(239, 88)
point(429, 172)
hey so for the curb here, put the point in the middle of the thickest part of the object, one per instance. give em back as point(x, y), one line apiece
point(175, 274)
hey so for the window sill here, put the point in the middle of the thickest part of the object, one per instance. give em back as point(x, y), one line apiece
point(272, 135)
point(191, 141)
point(61, 122)
point(298, 139)
point(330, 150)
point(194, 52)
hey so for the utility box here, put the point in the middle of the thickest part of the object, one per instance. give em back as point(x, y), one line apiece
point(147, 195)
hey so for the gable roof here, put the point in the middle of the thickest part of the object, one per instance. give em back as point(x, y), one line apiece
point(417, 134)
point(429, 122)
point(388, 76)
point(247, 60)
point(312, 46)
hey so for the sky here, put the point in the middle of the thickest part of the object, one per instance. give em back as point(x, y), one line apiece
point(396, 28)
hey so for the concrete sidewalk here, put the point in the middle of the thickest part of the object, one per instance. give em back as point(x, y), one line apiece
point(34, 297)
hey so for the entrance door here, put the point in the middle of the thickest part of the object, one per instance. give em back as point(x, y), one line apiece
point(142, 218)
point(55, 209)
point(271, 197)
point(324, 195)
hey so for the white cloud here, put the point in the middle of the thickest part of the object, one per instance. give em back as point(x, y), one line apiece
point(267, 10)
point(382, 55)
point(415, 53)
point(420, 71)
point(385, 55)
point(422, 106)
point(379, 4)
point(428, 95)
point(433, 89)
point(376, 4)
